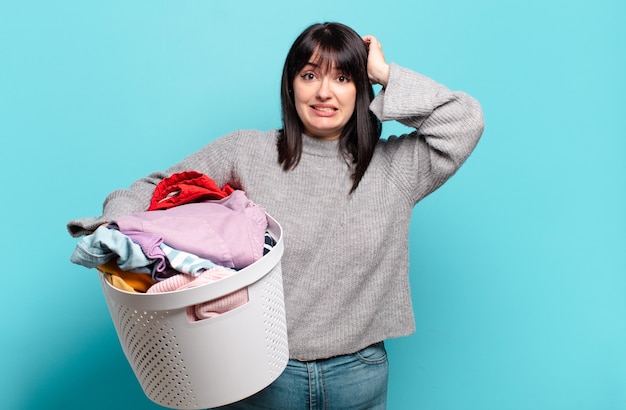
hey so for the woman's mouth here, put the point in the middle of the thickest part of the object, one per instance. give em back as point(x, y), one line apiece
point(324, 109)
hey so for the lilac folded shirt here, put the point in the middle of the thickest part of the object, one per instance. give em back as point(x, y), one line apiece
point(230, 232)
point(149, 243)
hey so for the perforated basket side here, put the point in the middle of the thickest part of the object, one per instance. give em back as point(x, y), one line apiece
point(271, 294)
point(150, 345)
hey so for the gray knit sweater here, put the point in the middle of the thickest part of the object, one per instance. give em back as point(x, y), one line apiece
point(345, 266)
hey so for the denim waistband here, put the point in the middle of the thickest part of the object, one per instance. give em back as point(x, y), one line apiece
point(380, 344)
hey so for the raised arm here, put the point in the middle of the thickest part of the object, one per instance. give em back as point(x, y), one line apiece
point(447, 124)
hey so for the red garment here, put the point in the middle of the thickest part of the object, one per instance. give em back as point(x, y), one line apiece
point(185, 187)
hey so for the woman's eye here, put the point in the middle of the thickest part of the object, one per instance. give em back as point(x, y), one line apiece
point(308, 76)
point(343, 79)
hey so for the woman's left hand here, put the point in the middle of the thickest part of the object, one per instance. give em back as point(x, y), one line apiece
point(377, 67)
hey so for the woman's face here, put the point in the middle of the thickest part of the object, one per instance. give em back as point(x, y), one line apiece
point(325, 99)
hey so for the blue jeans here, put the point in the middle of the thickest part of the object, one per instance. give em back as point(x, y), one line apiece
point(355, 381)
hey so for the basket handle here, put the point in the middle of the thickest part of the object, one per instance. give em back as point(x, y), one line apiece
point(188, 297)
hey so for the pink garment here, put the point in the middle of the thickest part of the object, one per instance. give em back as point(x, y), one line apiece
point(208, 309)
point(229, 232)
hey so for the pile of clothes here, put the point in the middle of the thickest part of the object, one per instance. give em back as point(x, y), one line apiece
point(193, 233)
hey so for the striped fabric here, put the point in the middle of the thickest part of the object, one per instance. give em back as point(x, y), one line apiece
point(186, 262)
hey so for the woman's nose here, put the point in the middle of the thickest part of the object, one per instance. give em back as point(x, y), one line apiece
point(323, 91)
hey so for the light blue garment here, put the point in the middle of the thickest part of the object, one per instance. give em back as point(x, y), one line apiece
point(105, 244)
point(354, 381)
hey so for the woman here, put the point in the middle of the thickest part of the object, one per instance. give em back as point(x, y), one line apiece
point(344, 198)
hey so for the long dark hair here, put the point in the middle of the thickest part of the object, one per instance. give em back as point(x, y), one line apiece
point(333, 43)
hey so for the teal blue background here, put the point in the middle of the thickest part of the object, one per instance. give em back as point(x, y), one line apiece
point(517, 264)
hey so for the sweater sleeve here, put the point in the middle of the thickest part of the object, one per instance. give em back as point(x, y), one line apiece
point(448, 125)
point(119, 202)
point(213, 159)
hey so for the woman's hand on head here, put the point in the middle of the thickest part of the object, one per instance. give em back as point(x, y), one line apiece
point(377, 67)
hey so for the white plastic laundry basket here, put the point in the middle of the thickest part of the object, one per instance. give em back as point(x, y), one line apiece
point(211, 362)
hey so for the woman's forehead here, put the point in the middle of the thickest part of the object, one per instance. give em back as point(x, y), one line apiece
point(325, 61)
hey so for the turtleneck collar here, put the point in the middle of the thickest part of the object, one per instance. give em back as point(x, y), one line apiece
point(319, 147)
